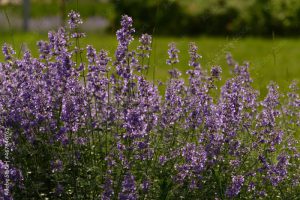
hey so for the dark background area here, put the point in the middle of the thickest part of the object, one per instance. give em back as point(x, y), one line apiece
point(170, 17)
point(213, 17)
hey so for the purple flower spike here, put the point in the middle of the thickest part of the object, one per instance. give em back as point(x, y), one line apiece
point(74, 19)
point(145, 47)
point(8, 51)
point(173, 54)
point(124, 37)
point(230, 60)
point(194, 56)
point(236, 185)
point(129, 190)
point(216, 72)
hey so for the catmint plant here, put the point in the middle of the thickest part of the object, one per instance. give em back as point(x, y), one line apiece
point(87, 124)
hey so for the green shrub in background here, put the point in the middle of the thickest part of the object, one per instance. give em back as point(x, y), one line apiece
point(214, 17)
point(161, 16)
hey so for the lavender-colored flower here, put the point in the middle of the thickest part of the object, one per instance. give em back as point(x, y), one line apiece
point(198, 101)
point(59, 43)
point(174, 73)
point(272, 98)
point(14, 176)
point(216, 72)
point(74, 19)
point(269, 133)
point(235, 163)
point(236, 186)
point(129, 190)
point(74, 104)
point(81, 141)
point(230, 60)
point(195, 158)
point(162, 160)
point(194, 56)
point(243, 72)
point(91, 54)
point(262, 193)
point(44, 49)
point(145, 185)
point(172, 109)
point(8, 52)
point(277, 173)
point(124, 37)
point(145, 47)
point(135, 123)
point(173, 54)
point(230, 106)
point(107, 190)
point(56, 166)
point(97, 87)
point(125, 60)
point(292, 109)
point(251, 187)
point(144, 50)
point(78, 35)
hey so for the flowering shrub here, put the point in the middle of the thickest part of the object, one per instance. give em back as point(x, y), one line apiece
point(98, 129)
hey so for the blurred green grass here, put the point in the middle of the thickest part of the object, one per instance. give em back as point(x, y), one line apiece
point(42, 8)
point(270, 60)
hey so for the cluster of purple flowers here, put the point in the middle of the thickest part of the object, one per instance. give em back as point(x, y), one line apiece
point(100, 129)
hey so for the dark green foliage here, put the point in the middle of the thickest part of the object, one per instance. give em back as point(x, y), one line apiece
point(217, 17)
point(161, 17)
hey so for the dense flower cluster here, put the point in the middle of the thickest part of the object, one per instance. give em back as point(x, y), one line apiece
point(100, 130)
